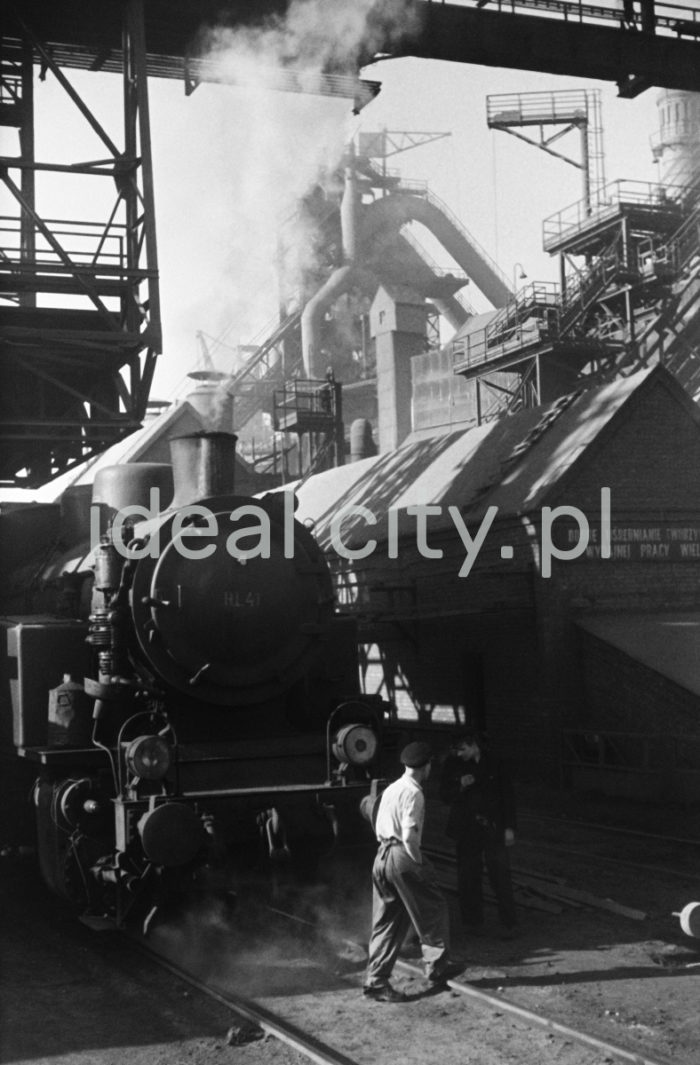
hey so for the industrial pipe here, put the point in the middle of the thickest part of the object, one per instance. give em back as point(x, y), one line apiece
point(339, 281)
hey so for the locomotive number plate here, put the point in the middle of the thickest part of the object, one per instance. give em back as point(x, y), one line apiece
point(235, 599)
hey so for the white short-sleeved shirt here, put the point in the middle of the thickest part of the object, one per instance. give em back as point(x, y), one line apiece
point(401, 810)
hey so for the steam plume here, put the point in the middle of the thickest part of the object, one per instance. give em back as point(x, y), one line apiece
point(276, 146)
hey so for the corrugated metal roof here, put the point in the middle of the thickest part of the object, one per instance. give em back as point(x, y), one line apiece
point(667, 643)
point(512, 463)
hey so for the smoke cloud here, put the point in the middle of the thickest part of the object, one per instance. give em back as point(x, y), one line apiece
point(264, 150)
point(316, 35)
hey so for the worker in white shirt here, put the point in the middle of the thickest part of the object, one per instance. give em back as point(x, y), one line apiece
point(405, 889)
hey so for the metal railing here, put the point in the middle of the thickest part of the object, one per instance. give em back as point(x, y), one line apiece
point(678, 19)
point(528, 319)
point(656, 258)
point(438, 271)
point(90, 244)
point(663, 332)
point(573, 108)
point(479, 348)
point(617, 194)
point(583, 290)
point(483, 254)
point(466, 304)
point(536, 295)
point(673, 133)
point(564, 105)
point(11, 75)
point(314, 398)
point(633, 752)
point(421, 188)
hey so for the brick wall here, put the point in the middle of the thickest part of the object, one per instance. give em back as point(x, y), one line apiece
point(521, 625)
point(624, 695)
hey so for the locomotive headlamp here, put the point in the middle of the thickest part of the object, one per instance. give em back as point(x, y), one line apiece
point(148, 757)
point(171, 834)
point(356, 744)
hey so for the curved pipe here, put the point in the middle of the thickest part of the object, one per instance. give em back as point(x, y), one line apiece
point(382, 219)
point(379, 227)
point(339, 282)
point(450, 308)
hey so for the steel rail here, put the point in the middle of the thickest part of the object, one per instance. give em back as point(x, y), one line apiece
point(540, 1021)
point(620, 830)
point(529, 1016)
point(562, 848)
point(314, 1049)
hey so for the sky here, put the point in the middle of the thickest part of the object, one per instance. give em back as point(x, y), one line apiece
point(230, 162)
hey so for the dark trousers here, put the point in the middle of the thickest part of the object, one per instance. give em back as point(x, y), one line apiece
point(405, 894)
point(476, 848)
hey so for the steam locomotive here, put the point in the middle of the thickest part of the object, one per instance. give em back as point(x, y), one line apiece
point(209, 719)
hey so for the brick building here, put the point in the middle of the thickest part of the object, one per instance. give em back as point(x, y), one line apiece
point(573, 632)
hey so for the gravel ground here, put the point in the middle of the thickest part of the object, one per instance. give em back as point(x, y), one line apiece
point(72, 997)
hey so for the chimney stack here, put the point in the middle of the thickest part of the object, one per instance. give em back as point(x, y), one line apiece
point(203, 466)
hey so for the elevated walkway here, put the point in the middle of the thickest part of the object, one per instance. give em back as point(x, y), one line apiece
point(83, 36)
point(521, 357)
point(88, 37)
point(559, 112)
point(679, 18)
point(657, 45)
point(635, 302)
point(585, 229)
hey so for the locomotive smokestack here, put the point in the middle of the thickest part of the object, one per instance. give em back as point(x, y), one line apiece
point(203, 465)
point(212, 400)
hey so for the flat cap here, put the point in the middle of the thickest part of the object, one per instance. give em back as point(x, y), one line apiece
point(416, 755)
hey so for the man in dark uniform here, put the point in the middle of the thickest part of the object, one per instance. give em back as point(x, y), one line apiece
point(482, 822)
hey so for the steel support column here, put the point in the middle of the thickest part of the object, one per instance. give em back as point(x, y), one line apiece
point(75, 372)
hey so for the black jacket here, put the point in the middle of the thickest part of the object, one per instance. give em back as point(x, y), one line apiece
point(488, 803)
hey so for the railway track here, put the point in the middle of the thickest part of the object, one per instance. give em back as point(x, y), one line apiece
point(610, 829)
point(593, 840)
point(280, 1027)
point(493, 995)
point(253, 1013)
point(507, 1007)
point(612, 844)
point(546, 1023)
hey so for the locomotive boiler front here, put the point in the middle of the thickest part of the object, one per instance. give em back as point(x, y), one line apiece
point(228, 727)
point(225, 628)
point(231, 598)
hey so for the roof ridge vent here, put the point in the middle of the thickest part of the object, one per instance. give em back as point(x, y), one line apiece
point(539, 429)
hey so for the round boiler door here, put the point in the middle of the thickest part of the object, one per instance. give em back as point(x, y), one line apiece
point(227, 628)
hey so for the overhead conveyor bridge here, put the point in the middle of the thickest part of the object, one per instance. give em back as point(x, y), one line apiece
point(659, 45)
point(77, 379)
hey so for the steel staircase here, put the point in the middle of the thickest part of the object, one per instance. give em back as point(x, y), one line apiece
point(588, 287)
point(672, 336)
point(263, 368)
